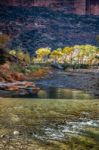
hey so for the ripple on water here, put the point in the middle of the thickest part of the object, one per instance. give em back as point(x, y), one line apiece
point(78, 126)
point(72, 128)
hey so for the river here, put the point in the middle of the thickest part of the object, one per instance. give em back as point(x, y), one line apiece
point(49, 124)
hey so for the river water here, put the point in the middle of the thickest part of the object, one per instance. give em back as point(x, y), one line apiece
point(49, 123)
point(50, 93)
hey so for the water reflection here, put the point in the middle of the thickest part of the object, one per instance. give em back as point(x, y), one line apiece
point(60, 93)
point(52, 93)
point(56, 93)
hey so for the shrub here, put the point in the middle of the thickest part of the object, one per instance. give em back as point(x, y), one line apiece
point(33, 68)
point(17, 68)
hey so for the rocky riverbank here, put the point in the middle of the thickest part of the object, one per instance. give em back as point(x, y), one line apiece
point(19, 88)
point(18, 82)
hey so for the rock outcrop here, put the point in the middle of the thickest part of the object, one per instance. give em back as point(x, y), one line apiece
point(77, 6)
point(41, 27)
point(31, 28)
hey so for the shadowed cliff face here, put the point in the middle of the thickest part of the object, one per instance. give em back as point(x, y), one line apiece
point(41, 27)
point(73, 6)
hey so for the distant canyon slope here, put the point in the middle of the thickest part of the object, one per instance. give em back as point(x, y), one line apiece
point(49, 23)
point(77, 6)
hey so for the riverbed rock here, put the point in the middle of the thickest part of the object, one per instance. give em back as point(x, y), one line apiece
point(29, 84)
point(12, 88)
point(1, 79)
point(22, 88)
point(16, 132)
point(5, 66)
point(35, 89)
point(23, 92)
point(57, 66)
point(18, 76)
point(8, 77)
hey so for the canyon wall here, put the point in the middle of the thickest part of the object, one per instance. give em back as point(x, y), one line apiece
point(74, 6)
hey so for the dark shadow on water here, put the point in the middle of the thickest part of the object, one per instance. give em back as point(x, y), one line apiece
point(52, 93)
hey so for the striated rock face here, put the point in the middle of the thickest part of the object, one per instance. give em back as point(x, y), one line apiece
point(38, 26)
point(42, 27)
point(74, 6)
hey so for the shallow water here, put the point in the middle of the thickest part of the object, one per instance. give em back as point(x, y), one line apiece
point(62, 93)
point(69, 128)
point(49, 124)
point(50, 93)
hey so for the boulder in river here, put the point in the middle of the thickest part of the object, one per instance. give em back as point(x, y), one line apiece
point(57, 66)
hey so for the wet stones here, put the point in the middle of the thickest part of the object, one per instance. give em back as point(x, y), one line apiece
point(16, 132)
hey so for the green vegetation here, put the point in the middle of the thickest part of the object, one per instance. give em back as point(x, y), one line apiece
point(21, 55)
point(78, 56)
point(26, 62)
point(75, 66)
point(17, 68)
